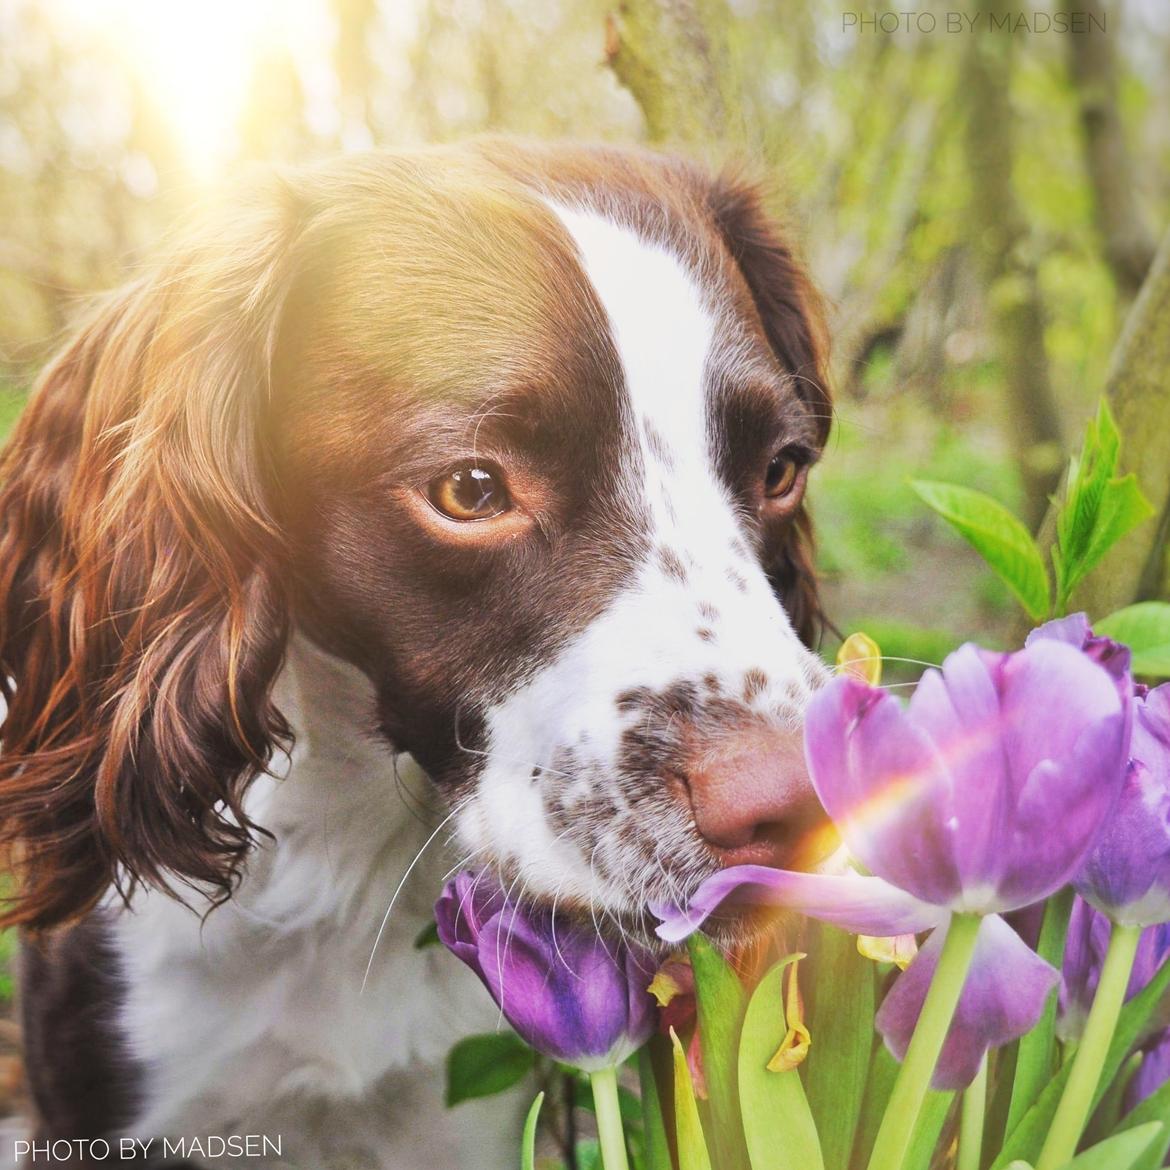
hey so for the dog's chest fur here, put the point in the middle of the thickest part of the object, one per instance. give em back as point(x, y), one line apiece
point(256, 1021)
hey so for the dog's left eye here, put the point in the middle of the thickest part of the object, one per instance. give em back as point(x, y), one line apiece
point(780, 478)
point(469, 493)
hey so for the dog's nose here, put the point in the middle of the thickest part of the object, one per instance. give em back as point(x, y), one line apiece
point(753, 801)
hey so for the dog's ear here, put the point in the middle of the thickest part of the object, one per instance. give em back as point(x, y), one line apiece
point(142, 616)
point(793, 319)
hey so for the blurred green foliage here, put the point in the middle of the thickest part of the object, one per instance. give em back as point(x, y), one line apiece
point(7, 953)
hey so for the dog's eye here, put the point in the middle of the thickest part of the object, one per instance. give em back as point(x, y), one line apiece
point(469, 493)
point(780, 478)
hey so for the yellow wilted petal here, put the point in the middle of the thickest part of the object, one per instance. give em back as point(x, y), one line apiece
point(898, 949)
point(861, 657)
point(664, 987)
point(795, 1045)
point(672, 979)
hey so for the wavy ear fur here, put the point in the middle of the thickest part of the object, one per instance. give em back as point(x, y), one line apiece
point(793, 321)
point(142, 621)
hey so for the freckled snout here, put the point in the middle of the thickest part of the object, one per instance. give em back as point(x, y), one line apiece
point(753, 801)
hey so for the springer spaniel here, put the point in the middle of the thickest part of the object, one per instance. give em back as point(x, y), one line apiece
point(480, 467)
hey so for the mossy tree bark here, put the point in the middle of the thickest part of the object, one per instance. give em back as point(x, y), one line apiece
point(1007, 263)
point(675, 60)
point(1126, 238)
point(1138, 387)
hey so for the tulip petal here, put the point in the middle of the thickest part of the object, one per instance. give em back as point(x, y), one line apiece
point(465, 904)
point(1074, 630)
point(958, 708)
point(1152, 1073)
point(566, 991)
point(1127, 874)
point(537, 993)
point(884, 784)
point(1002, 998)
point(852, 901)
point(571, 1002)
point(1084, 952)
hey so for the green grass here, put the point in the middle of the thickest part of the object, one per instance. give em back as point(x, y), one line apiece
point(867, 516)
point(7, 956)
point(11, 404)
point(888, 566)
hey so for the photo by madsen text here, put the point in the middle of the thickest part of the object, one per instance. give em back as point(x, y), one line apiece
point(889, 22)
point(129, 1149)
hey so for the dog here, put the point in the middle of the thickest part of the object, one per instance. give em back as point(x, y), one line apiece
point(473, 473)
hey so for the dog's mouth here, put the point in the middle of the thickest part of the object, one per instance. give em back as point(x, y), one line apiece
point(736, 926)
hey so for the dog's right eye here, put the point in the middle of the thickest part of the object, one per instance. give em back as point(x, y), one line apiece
point(469, 493)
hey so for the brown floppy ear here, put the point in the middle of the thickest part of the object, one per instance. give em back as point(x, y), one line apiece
point(142, 618)
point(793, 320)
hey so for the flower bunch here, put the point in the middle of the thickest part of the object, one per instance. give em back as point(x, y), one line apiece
point(1005, 871)
point(1008, 781)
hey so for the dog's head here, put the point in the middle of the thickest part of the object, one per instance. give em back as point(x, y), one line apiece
point(521, 432)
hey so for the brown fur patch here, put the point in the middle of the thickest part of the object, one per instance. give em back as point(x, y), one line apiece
point(671, 565)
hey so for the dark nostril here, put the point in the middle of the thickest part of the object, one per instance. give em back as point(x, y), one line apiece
point(753, 802)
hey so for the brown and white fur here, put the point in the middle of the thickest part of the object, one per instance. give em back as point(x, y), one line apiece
point(245, 648)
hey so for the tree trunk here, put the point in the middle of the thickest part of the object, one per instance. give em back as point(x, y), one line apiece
point(1138, 387)
point(1007, 265)
point(1126, 238)
point(356, 73)
point(674, 59)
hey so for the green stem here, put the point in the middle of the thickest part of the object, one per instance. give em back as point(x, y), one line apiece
point(971, 1122)
point(1076, 1103)
point(610, 1134)
point(1034, 1060)
point(905, 1103)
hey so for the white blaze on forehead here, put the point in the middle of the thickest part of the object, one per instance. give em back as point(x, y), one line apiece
point(698, 607)
point(663, 335)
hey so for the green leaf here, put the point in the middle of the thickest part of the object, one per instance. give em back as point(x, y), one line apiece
point(1156, 1107)
point(1099, 508)
point(589, 1156)
point(427, 937)
point(1119, 1152)
point(1145, 629)
point(720, 1000)
point(997, 535)
point(923, 1145)
point(528, 1142)
point(1036, 1058)
point(479, 1066)
point(840, 1021)
point(692, 1149)
point(1027, 1138)
point(653, 1125)
point(883, 1071)
point(773, 1103)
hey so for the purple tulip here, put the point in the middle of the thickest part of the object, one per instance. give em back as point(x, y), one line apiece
point(568, 993)
point(1003, 997)
point(1084, 952)
point(1127, 875)
point(1152, 1073)
point(986, 793)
